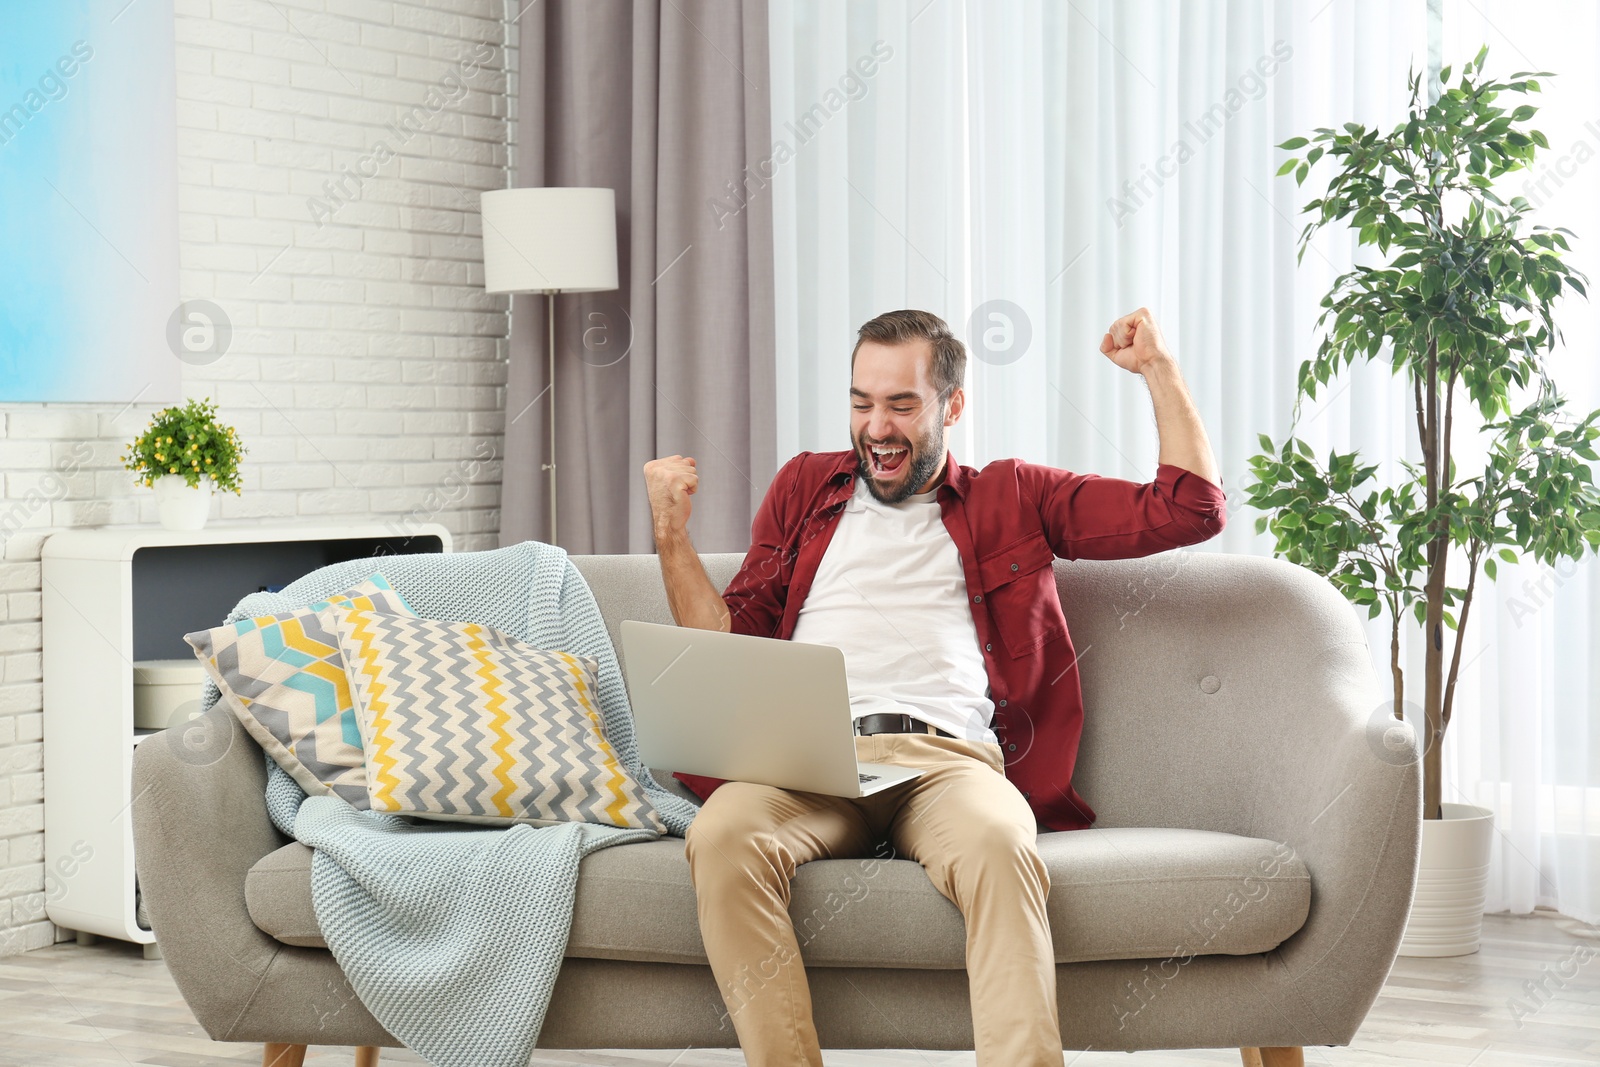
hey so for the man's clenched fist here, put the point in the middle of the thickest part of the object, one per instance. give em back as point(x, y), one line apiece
point(671, 481)
point(1134, 342)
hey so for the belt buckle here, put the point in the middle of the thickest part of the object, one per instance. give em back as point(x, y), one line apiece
point(904, 724)
point(908, 724)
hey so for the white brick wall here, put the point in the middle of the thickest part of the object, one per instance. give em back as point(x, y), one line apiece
point(367, 365)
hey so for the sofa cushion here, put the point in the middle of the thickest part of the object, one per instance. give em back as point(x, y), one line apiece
point(277, 894)
point(1116, 893)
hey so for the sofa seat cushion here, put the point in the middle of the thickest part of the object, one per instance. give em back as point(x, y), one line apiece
point(1115, 893)
point(277, 894)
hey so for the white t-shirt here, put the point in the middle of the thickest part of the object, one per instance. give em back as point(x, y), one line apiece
point(890, 594)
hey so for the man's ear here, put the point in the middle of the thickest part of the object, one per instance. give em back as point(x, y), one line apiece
point(958, 400)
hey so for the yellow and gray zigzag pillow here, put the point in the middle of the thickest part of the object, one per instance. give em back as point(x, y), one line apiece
point(461, 722)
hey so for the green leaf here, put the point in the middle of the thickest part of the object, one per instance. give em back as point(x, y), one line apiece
point(1432, 279)
point(1488, 568)
point(1288, 165)
point(1301, 172)
point(1508, 555)
point(1265, 441)
point(1294, 142)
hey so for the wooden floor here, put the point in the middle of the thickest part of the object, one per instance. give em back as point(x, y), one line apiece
point(85, 1007)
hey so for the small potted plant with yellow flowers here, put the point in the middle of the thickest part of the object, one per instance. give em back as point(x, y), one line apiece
point(185, 454)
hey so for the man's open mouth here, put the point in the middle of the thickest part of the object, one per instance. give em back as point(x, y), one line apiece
point(887, 459)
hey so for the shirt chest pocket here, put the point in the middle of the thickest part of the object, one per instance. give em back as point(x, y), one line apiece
point(1019, 588)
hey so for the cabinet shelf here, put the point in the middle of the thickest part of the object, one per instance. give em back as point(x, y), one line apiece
point(116, 595)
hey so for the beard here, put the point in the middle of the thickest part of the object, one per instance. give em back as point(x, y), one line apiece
point(923, 456)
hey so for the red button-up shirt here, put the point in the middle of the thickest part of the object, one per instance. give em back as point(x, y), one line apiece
point(1009, 521)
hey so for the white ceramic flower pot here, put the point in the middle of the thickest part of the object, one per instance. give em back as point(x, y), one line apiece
point(1452, 879)
point(183, 507)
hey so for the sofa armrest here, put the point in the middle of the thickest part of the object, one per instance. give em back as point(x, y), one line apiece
point(1238, 694)
point(1350, 806)
point(199, 824)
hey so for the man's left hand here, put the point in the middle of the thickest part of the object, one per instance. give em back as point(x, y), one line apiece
point(1134, 342)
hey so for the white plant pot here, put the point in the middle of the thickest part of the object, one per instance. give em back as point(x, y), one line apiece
point(1452, 879)
point(183, 507)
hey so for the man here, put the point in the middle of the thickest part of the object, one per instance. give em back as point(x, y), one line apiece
point(935, 581)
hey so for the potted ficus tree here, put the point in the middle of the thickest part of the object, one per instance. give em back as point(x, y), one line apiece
point(184, 454)
point(1464, 308)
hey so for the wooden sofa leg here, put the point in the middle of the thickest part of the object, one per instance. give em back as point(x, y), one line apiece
point(1274, 1057)
point(276, 1055)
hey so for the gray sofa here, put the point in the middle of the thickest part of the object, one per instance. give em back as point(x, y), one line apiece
point(1246, 885)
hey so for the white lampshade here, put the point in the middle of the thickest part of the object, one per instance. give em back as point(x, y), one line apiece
point(549, 240)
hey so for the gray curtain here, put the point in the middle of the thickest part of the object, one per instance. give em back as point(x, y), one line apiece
point(667, 103)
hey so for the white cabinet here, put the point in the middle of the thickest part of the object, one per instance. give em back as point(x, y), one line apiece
point(117, 595)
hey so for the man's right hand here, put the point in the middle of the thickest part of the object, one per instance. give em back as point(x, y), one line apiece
point(670, 482)
point(694, 601)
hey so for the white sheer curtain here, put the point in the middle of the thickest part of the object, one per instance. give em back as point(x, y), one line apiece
point(1078, 160)
point(1526, 741)
point(1029, 153)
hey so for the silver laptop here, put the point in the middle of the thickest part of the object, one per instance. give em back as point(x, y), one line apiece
point(748, 709)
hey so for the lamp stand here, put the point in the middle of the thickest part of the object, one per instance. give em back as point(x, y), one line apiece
point(550, 350)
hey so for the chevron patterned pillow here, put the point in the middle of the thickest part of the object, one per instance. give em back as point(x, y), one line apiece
point(461, 722)
point(283, 677)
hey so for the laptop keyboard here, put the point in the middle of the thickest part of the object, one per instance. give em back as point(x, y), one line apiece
point(868, 777)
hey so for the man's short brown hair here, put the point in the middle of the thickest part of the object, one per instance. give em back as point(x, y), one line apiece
point(949, 364)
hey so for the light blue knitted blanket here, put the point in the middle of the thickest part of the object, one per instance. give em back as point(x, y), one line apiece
point(453, 938)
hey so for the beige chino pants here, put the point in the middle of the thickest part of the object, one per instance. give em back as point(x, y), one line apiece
point(967, 825)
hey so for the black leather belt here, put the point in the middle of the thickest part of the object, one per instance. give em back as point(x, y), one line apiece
point(887, 723)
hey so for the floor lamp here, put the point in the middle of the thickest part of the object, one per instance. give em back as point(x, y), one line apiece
point(550, 241)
